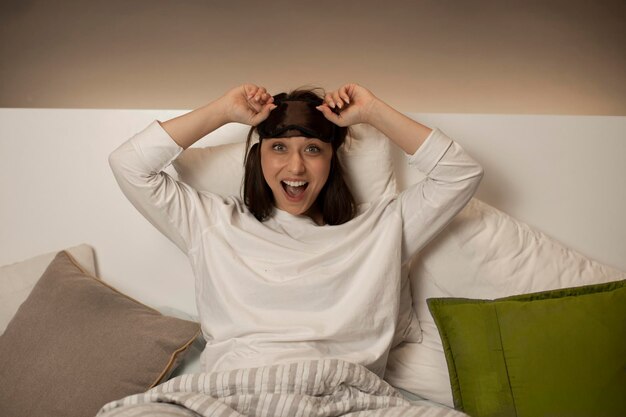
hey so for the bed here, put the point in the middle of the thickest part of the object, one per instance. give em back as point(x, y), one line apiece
point(105, 319)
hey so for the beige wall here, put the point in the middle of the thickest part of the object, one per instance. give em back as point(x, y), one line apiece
point(533, 57)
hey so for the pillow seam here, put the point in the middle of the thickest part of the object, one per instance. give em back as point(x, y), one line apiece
point(506, 365)
point(71, 258)
point(434, 305)
point(172, 359)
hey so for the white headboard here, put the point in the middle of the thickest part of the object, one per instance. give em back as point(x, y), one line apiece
point(565, 175)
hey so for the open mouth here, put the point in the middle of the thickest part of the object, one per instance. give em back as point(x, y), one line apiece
point(294, 189)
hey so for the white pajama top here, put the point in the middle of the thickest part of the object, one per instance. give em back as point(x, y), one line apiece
point(287, 289)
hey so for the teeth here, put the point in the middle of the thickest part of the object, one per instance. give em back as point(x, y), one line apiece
point(295, 183)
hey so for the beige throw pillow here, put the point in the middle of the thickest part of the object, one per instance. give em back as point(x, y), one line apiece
point(18, 279)
point(76, 344)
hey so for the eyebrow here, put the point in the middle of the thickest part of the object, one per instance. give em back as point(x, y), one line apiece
point(291, 137)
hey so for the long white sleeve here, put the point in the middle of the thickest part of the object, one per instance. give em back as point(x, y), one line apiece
point(452, 177)
point(171, 206)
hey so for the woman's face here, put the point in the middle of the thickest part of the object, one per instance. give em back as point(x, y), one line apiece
point(296, 169)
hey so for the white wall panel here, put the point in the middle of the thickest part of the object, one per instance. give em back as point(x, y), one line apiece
point(564, 175)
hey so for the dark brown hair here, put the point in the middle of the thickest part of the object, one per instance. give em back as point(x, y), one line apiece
point(335, 200)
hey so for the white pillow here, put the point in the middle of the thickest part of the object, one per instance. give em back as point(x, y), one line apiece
point(366, 157)
point(482, 253)
point(18, 279)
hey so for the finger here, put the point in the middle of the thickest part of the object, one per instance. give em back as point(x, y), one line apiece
point(343, 91)
point(263, 114)
point(256, 107)
point(328, 113)
point(328, 99)
point(250, 90)
point(266, 98)
point(260, 92)
point(338, 100)
point(266, 109)
point(258, 97)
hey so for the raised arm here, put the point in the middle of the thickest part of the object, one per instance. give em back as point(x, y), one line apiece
point(174, 208)
point(247, 104)
point(452, 176)
point(359, 105)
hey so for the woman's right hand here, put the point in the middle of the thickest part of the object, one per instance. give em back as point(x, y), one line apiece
point(248, 104)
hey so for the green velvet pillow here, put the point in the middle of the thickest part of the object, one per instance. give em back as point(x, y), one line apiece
point(553, 353)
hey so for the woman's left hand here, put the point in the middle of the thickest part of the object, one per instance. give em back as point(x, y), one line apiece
point(349, 105)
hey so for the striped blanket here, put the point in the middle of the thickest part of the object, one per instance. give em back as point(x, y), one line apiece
point(328, 387)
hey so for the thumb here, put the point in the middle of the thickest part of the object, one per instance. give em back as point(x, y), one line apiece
point(263, 114)
point(328, 113)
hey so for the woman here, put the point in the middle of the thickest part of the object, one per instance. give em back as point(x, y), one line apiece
point(295, 270)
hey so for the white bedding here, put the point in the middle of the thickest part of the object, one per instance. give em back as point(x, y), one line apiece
point(485, 254)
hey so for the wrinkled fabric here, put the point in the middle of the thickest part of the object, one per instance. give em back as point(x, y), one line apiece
point(287, 289)
point(307, 388)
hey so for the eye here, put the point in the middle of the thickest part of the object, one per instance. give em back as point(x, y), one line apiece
point(313, 149)
point(278, 147)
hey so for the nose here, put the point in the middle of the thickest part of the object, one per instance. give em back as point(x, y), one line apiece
point(296, 163)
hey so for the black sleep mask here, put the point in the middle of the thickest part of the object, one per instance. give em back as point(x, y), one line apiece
point(297, 117)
